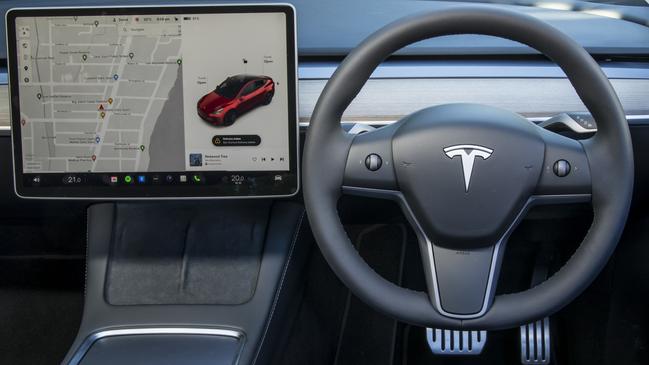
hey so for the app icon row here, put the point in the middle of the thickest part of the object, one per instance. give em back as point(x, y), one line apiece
point(154, 179)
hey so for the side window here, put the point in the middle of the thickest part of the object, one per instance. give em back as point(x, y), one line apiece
point(250, 87)
point(259, 83)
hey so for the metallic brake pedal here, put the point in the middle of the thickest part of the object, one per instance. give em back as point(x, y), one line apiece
point(535, 342)
point(448, 342)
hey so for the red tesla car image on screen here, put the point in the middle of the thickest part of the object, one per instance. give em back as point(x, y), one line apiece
point(235, 96)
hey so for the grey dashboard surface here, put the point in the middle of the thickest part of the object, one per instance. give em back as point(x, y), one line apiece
point(334, 27)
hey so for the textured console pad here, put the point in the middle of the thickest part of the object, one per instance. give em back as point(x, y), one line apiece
point(186, 252)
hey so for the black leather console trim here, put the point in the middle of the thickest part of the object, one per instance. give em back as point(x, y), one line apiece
point(279, 290)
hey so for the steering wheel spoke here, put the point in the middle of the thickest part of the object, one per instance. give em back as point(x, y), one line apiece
point(370, 164)
point(565, 177)
point(462, 281)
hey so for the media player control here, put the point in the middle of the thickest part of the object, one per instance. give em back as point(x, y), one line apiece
point(373, 162)
point(561, 168)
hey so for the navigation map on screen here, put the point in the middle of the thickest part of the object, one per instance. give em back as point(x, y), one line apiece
point(147, 93)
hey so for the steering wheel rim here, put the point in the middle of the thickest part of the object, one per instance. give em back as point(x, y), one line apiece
point(609, 161)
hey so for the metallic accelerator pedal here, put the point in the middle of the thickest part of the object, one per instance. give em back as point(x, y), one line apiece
point(535, 342)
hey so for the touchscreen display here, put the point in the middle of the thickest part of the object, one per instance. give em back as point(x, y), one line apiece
point(160, 102)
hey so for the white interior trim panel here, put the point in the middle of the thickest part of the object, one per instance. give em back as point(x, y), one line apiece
point(391, 99)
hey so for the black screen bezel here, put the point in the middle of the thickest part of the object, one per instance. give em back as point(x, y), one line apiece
point(265, 185)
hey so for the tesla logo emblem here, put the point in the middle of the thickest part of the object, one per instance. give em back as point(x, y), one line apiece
point(467, 153)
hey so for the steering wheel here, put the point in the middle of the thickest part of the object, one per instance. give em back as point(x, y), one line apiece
point(465, 175)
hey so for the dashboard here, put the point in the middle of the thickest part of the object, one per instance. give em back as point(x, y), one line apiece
point(531, 86)
point(136, 102)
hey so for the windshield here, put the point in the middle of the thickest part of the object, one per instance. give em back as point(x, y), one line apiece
point(230, 87)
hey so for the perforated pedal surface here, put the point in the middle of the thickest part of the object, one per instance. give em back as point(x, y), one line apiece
point(448, 342)
point(535, 342)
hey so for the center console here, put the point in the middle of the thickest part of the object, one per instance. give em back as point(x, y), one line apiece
point(181, 283)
